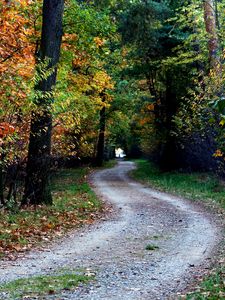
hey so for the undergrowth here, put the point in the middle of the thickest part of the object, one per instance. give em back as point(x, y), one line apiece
point(74, 204)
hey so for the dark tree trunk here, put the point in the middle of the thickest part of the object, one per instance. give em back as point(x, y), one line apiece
point(167, 161)
point(101, 138)
point(37, 189)
point(12, 192)
point(2, 202)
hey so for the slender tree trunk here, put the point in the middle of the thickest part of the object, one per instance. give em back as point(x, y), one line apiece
point(13, 183)
point(1, 186)
point(211, 29)
point(101, 138)
point(37, 189)
point(2, 200)
point(218, 25)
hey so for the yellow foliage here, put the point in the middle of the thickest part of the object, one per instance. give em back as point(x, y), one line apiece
point(102, 81)
point(99, 42)
point(218, 153)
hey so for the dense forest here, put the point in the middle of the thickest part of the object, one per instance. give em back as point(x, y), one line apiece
point(78, 81)
point(81, 78)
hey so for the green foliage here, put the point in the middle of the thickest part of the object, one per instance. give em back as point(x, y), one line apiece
point(204, 98)
point(87, 22)
point(83, 77)
point(141, 23)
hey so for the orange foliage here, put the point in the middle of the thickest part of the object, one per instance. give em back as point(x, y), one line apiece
point(6, 129)
point(16, 50)
point(99, 42)
point(81, 59)
point(16, 30)
point(59, 130)
point(17, 62)
point(151, 107)
point(144, 120)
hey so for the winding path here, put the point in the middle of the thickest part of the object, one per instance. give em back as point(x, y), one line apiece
point(115, 249)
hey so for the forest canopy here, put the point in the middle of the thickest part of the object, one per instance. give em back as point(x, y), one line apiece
point(82, 78)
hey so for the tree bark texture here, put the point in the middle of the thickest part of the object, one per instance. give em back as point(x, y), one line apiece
point(2, 156)
point(37, 188)
point(210, 25)
point(2, 202)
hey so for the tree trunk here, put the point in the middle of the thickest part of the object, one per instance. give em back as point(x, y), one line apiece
point(168, 159)
point(2, 202)
point(101, 138)
point(37, 188)
point(210, 25)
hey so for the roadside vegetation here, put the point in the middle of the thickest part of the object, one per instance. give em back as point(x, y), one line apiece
point(41, 286)
point(211, 288)
point(75, 204)
point(195, 186)
point(203, 187)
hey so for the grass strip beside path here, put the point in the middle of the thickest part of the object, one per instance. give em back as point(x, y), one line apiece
point(194, 186)
point(40, 286)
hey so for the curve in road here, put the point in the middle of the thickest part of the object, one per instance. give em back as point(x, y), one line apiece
point(182, 235)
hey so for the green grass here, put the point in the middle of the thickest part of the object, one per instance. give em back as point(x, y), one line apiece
point(196, 186)
point(71, 191)
point(43, 285)
point(151, 247)
point(212, 288)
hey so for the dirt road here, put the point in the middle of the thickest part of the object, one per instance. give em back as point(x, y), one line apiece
point(182, 235)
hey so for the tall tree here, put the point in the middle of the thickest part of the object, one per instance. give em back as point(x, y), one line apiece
point(1, 185)
point(37, 189)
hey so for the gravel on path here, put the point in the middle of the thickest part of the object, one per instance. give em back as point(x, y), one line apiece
point(184, 236)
